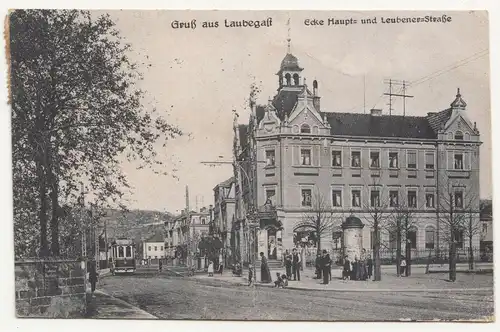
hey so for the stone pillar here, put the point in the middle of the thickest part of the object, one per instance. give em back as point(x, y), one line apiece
point(262, 241)
point(353, 237)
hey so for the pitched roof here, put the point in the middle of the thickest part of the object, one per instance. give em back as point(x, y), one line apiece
point(439, 119)
point(355, 124)
point(290, 62)
point(158, 237)
point(227, 183)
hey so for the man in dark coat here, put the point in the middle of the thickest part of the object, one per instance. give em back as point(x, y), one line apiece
point(346, 272)
point(92, 275)
point(295, 265)
point(325, 265)
point(318, 266)
point(288, 264)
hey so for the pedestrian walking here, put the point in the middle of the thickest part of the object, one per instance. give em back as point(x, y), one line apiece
point(265, 274)
point(361, 272)
point(296, 265)
point(92, 276)
point(354, 271)
point(211, 269)
point(403, 266)
point(221, 264)
point(160, 264)
point(325, 264)
point(250, 275)
point(288, 264)
point(369, 264)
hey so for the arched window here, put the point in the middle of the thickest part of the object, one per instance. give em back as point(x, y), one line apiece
point(315, 84)
point(450, 136)
point(120, 251)
point(288, 79)
point(411, 238)
point(296, 79)
point(305, 129)
point(430, 233)
point(467, 137)
point(459, 135)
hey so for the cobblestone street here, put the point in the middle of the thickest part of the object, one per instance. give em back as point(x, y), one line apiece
point(168, 297)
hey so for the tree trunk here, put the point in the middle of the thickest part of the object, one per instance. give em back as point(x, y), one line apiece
point(407, 249)
point(54, 221)
point(377, 273)
point(471, 254)
point(42, 212)
point(452, 261)
point(398, 248)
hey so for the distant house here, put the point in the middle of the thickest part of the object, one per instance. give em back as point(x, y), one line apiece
point(152, 248)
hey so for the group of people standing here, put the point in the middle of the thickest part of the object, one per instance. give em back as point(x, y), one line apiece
point(359, 269)
point(324, 267)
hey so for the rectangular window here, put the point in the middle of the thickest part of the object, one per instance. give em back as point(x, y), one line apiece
point(270, 196)
point(411, 159)
point(429, 160)
point(306, 197)
point(459, 199)
point(485, 229)
point(305, 157)
point(393, 160)
point(120, 251)
point(128, 251)
point(458, 161)
point(459, 239)
point(429, 200)
point(161, 248)
point(429, 239)
point(393, 198)
point(412, 198)
point(356, 159)
point(336, 198)
point(375, 198)
point(203, 221)
point(149, 248)
point(412, 239)
point(270, 157)
point(156, 248)
point(336, 158)
point(356, 198)
point(375, 159)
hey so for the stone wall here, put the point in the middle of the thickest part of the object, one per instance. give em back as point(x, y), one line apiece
point(50, 288)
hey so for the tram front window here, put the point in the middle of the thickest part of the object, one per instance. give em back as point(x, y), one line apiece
point(129, 251)
point(120, 251)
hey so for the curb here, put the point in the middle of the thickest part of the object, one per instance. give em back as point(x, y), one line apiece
point(382, 290)
point(145, 313)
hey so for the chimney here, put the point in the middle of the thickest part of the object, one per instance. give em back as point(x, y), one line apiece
point(375, 112)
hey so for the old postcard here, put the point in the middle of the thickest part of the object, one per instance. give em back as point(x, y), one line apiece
point(251, 165)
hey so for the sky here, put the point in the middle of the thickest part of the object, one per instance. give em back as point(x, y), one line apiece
point(198, 76)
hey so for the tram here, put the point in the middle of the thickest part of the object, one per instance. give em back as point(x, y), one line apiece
point(123, 256)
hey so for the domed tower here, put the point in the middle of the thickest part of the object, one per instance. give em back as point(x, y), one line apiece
point(289, 73)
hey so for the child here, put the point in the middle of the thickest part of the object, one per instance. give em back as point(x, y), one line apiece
point(278, 283)
point(285, 281)
point(250, 275)
point(211, 269)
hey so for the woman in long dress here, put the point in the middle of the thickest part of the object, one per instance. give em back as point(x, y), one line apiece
point(265, 274)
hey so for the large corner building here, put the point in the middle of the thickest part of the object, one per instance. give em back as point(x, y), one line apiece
point(294, 157)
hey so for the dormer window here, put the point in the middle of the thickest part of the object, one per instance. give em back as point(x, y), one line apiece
point(459, 136)
point(296, 79)
point(305, 129)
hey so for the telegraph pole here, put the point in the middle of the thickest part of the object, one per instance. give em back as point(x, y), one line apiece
point(404, 86)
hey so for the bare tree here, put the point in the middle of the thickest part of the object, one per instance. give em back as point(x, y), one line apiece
point(377, 214)
point(401, 222)
point(455, 200)
point(319, 219)
point(471, 227)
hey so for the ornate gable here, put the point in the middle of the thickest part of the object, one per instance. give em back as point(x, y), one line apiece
point(270, 122)
point(305, 114)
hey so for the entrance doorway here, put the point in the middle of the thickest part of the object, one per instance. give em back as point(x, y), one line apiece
point(271, 244)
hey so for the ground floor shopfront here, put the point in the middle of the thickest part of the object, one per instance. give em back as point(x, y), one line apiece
point(273, 236)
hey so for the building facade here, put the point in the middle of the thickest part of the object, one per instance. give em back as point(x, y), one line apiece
point(153, 248)
point(186, 229)
point(224, 210)
point(295, 159)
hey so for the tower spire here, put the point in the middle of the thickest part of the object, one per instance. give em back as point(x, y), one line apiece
point(289, 39)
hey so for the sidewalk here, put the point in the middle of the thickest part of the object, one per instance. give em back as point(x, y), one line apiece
point(105, 306)
point(417, 282)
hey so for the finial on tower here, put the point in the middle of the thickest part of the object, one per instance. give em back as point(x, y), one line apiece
point(458, 92)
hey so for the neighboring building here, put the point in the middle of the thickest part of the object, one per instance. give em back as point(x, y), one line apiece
point(184, 228)
point(293, 152)
point(153, 248)
point(486, 217)
point(224, 214)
